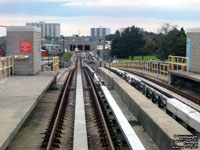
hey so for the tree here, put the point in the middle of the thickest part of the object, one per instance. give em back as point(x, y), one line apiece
point(166, 27)
point(109, 37)
point(172, 43)
point(129, 43)
point(150, 43)
point(115, 46)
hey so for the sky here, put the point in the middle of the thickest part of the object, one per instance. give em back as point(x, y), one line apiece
point(78, 16)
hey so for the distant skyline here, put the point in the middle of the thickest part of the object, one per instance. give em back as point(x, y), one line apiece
point(81, 15)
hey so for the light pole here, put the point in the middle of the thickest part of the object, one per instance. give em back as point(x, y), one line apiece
point(63, 38)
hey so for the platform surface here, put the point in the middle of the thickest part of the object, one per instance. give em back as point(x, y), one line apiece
point(18, 97)
point(188, 75)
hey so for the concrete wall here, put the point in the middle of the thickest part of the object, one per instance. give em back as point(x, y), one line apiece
point(158, 125)
point(194, 42)
point(15, 34)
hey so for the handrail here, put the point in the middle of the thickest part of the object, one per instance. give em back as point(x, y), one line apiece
point(178, 61)
point(55, 65)
point(6, 64)
point(160, 70)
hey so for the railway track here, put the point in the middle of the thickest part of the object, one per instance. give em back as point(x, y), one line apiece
point(175, 90)
point(99, 118)
point(54, 130)
point(181, 111)
point(92, 122)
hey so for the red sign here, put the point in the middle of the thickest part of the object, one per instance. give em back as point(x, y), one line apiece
point(25, 47)
point(1, 52)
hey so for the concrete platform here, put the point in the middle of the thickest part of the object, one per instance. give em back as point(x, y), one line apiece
point(187, 75)
point(18, 97)
point(159, 126)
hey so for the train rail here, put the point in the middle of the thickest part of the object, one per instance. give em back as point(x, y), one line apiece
point(173, 106)
point(129, 135)
point(53, 133)
point(175, 90)
point(111, 127)
point(101, 121)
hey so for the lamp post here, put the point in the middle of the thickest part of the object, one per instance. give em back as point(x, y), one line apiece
point(63, 38)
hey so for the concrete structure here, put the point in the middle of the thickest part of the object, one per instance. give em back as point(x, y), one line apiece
point(159, 126)
point(24, 40)
point(99, 32)
point(80, 140)
point(19, 96)
point(47, 29)
point(84, 43)
point(193, 49)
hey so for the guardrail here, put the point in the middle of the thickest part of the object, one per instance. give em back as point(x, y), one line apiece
point(55, 65)
point(175, 62)
point(158, 69)
point(6, 66)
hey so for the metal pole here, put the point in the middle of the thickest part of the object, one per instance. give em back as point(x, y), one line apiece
point(63, 45)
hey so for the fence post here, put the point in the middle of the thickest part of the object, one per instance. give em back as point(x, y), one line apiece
point(5, 68)
point(9, 65)
point(13, 64)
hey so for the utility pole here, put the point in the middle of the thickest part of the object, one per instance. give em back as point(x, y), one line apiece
point(63, 44)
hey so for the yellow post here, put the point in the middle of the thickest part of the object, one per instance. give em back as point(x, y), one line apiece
point(160, 70)
point(157, 68)
point(9, 65)
point(55, 65)
point(5, 68)
point(13, 65)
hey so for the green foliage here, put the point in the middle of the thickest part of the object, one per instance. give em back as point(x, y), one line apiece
point(128, 43)
point(172, 42)
point(67, 55)
point(150, 43)
point(135, 42)
point(109, 37)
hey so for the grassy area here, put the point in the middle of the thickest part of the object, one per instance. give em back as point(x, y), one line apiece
point(140, 58)
point(66, 54)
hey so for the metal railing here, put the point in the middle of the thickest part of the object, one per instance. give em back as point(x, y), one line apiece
point(177, 62)
point(55, 65)
point(158, 69)
point(6, 66)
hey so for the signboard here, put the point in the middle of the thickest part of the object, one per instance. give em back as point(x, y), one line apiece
point(25, 47)
point(99, 47)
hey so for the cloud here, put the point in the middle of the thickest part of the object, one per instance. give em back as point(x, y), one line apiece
point(78, 3)
point(178, 4)
point(169, 4)
point(71, 25)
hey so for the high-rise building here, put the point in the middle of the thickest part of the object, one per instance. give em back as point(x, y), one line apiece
point(99, 32)
point(47, 29)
